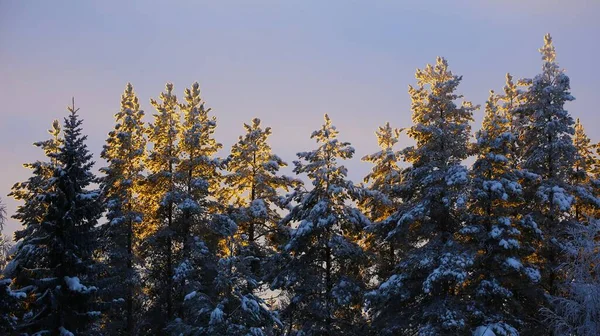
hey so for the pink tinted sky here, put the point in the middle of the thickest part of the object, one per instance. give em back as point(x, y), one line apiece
point(287, 62)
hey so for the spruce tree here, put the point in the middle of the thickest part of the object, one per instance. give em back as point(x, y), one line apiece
point(54, 261)
point(9, 300)
point(124, 151)
point(422, 294)
point(321, 273)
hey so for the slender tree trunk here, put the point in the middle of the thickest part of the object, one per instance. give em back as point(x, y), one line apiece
point(130, 322)
point(328, 284)
point(169, 273)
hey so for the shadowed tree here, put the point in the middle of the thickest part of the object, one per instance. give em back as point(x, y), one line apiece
point(54, 257)
point(322, 265)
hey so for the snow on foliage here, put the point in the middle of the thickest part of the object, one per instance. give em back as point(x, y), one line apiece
point(75, 285)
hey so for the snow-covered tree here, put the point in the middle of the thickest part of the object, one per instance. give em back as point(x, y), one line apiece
point(595, 180)
point(381, 198)
point(5, 242)
point(322, 259)
point(238, 311)
point(586, 203)
point(498, 238)
point(548, 156)
point(54, 256)
point(253, 188)
point(421, 296)
point(510, 101)
point(576, 309)
point(196, 178)
point(159, 196)
point(8, 299)
point(124, 152)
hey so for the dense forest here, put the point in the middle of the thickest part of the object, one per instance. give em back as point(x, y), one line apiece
point(170, 239)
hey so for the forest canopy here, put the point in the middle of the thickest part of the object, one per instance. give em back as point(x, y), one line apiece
point(172, 239)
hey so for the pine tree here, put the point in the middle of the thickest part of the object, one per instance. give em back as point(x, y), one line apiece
point(159, 197)
point(574, 310)
point(239, 311)
point(496, 235)
point(123, 151)
point(55, 255)
point(511, 101)
point(197, 178)
point(548, 156)
point(595, 180)
point(5, 242)
point(252, 188)
point(421, 295)
point(381, 199)
point(586, 203)
point(321, 272)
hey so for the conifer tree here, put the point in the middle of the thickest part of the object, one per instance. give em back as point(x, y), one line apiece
point(160, 197)
point(196, 178)
point(495, 233)
point(575, 309)
point(381, 198)
point(9, 300)
point(548, 157)
point(421, 295)
point(595, 180)
point(238, 310)
point(321, 273)
point(252, 188)
point(586, 203)
point(124, 152)
point(5, 242)
point(54, 259)
point(510, 102)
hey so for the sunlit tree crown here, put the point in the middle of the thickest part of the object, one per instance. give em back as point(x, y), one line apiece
point(124, 152)
point(197, 142)
point(434, 111)
point(385, 175)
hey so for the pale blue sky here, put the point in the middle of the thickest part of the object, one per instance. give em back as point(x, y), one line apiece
point(286, 62)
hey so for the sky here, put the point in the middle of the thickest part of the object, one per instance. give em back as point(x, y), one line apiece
point(285, 62)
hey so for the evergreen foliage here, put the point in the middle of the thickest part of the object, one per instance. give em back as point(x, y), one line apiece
point(196, 245)
point(124, 152)
point(323, 256)
point(53, 264)
point(423, 293)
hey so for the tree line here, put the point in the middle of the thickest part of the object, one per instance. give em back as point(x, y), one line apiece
point(172, 240)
